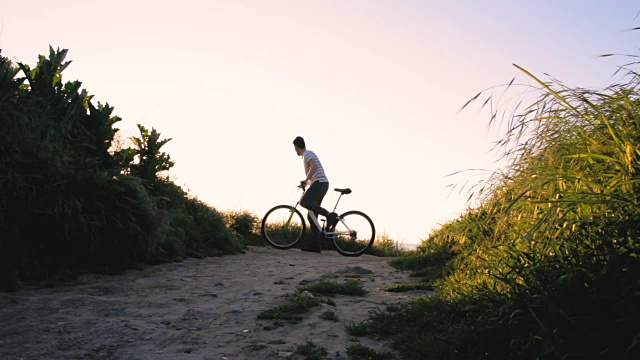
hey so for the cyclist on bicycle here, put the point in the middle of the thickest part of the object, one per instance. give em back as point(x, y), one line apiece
point(318, 187)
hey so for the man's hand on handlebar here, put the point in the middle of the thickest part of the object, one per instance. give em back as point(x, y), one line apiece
point(303, 184)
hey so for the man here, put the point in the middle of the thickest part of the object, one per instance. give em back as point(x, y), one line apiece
point(318, 186)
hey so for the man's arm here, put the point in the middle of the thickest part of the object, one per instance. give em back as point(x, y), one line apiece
point(313, 169)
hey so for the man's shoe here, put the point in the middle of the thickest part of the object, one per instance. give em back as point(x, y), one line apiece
point(331, 219)
point(315, 249)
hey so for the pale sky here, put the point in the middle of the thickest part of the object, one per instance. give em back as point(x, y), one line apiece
point(374, 87)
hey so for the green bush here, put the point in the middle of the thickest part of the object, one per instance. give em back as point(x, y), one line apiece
point(245, 225)
point(64, 199)
point(209, 235)
point(71, 199)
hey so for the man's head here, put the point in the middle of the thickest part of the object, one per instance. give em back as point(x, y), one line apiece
point(298, 144)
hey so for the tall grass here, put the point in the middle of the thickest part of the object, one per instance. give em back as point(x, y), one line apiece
point(547, 266)
point(385, 246)
point(245, 225)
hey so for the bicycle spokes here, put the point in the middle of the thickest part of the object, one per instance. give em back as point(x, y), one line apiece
point(283, 226)
point(353, 234)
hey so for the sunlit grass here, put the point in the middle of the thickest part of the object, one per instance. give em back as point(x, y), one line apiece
point(386, 246)
point(546, 266)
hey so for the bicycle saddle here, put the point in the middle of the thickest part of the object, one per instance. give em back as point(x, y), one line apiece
point(343, 191)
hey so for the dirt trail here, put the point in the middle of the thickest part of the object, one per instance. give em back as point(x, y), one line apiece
point(197, 309)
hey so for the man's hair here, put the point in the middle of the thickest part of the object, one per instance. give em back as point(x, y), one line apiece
point(299, 142)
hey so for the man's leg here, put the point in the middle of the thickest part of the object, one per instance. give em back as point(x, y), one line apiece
point(312, 200)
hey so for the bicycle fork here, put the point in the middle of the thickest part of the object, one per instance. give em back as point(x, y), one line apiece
point(291, 212)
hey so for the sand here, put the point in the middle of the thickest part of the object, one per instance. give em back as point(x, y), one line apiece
point(195, 309)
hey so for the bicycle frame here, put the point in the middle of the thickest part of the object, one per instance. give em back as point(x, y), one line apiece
point(314, 219)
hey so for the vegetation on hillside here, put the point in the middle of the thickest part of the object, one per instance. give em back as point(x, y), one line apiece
point(548, 265)
point(71, 200)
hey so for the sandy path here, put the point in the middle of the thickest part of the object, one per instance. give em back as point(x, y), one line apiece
point(197, 309)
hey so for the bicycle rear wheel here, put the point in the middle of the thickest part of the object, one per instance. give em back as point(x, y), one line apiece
point(283, 226)
point(354, 233)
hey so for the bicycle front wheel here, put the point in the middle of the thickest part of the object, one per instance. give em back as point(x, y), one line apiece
point(353, 234)
point(283, 226)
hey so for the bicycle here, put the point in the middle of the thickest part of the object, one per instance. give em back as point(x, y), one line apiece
point(352, 233)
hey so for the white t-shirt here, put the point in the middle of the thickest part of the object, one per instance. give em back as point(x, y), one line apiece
point(308, 157)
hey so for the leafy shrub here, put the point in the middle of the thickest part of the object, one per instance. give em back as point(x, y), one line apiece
point(244, 225)
point(210, 235)
point(56, 174)
point(72, 198)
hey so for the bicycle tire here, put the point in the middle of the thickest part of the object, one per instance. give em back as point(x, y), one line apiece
point(283, 227)
point(365, 233)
